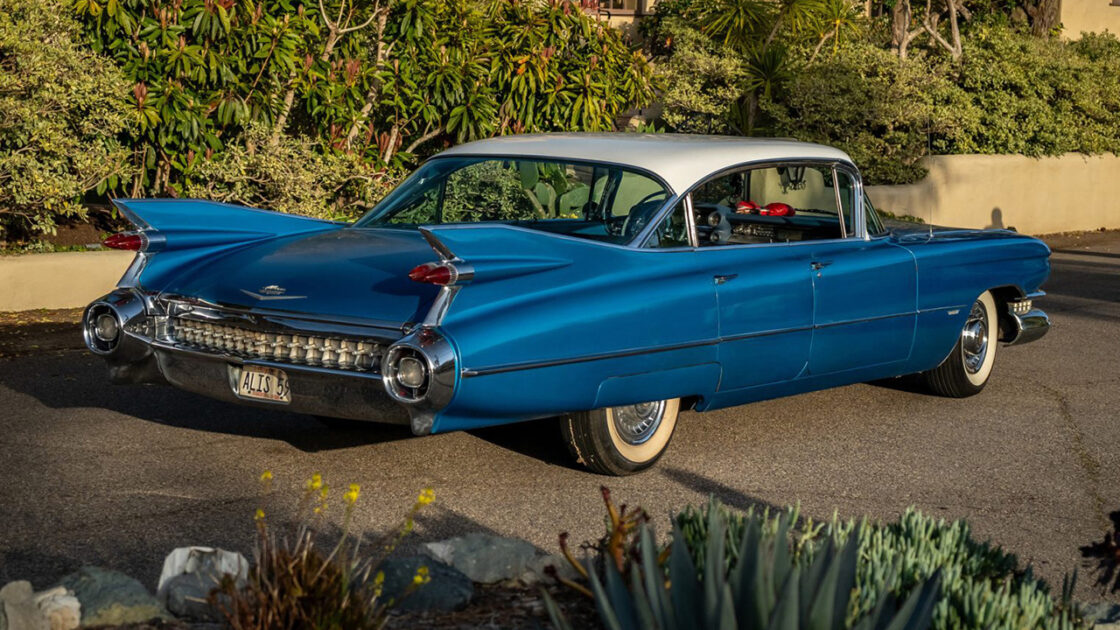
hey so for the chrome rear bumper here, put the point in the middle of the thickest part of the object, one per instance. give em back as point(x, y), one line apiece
point(314, 391)
point(146, 347)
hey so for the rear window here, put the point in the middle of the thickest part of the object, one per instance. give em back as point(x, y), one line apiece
point(586, 200)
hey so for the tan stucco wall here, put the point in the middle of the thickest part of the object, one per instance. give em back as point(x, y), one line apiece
point(62, 280)
point(1094, 16)
point(1070, 193)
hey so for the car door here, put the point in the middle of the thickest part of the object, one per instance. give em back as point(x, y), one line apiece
point(765, 304)
point(764, 297)
point(864, 295)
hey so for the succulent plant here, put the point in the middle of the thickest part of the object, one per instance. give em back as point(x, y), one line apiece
point(981, 586)
point(766, 588)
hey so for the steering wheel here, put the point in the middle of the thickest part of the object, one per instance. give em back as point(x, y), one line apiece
point(642, 212)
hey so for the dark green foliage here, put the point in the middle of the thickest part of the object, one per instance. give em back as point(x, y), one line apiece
point(1036, 96)
point(980, 585)
point(769, 587)
point(881, 110)
point(61, 110)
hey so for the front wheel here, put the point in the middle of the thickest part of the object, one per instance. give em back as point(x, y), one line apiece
point(968, 367)
point(621, 440)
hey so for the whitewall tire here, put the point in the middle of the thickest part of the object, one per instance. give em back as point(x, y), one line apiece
point(621, 440)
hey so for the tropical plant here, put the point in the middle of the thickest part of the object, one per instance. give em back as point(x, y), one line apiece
point(61, 111)
point(769, 587)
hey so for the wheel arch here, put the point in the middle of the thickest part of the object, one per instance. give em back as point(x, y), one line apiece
point(1003, 296)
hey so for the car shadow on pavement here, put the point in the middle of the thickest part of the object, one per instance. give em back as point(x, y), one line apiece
point(539, 439)
point(77, 381)
point(722, 492)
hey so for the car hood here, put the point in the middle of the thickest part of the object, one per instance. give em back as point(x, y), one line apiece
point(348, 272)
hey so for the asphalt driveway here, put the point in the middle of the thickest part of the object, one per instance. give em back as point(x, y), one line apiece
point(117, 476)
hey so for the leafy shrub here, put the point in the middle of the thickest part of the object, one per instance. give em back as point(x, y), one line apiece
point(294, 584)
point(769, 587)
point(980, 586)
point(1035, 96)
point(704, 81)
point(879, 109)
point(61, 110)
point(291, 175)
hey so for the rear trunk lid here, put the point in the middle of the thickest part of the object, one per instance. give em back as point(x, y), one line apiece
point(348, 272)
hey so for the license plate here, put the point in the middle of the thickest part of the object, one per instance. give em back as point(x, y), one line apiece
point(264, 383)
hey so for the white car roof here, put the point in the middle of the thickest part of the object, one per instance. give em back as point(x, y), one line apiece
point(680, 159)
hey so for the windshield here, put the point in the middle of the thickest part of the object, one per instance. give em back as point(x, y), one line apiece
point(588, 200)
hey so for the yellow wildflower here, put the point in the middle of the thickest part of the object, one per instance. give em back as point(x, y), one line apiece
point(314, 483)
point(323, 493)
point(352, 496)
point(421, 576)
point(266, 475)
point(427, 495)
point(259, 516)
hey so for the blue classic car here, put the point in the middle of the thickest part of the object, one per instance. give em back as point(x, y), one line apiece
point(608, 279)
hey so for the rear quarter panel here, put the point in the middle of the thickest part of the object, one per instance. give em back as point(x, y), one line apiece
point(610, 326)
point(954, 268)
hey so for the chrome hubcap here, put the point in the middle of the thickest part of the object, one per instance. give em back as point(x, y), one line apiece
point(974, 338)
point(637, 423)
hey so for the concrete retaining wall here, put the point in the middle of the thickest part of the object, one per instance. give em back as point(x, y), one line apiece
point(1069, 193)
point(1093, 16)
point(62, 280)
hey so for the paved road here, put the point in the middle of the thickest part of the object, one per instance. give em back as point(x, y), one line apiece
point(117, 476)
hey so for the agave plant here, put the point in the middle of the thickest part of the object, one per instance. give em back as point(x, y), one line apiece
point(767, 588)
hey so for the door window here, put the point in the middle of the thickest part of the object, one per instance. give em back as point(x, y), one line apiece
point(786, 203)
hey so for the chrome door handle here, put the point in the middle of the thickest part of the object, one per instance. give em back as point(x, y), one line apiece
point(817, 265)
point(724, 278)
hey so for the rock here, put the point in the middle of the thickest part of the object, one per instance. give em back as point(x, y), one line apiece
point(62, 610)
point(203, 561)
point(23, 609)
point(484, 558)
point(1104, 615)
point(190, 573)
point(187, 597)
point(447, 588)
point(536, 570)
point(20, 610)
point(111, 597)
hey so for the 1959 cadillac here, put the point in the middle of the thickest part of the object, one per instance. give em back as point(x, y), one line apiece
point(609, 279)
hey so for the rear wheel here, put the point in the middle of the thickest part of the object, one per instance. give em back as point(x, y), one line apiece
point(621, 440)
point(967, 368)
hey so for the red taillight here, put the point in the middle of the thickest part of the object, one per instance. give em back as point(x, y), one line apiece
point(125, 240)
point(432, 273)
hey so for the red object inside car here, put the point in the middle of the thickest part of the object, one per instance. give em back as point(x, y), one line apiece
point(746, 207)
point(778, 209)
